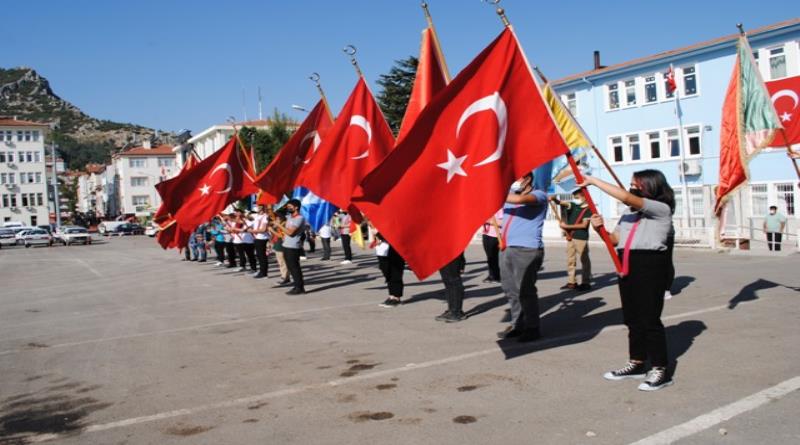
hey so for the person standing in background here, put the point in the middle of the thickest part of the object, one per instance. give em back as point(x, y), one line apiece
point(774, 224)
point(491, 246)
point(344, 233)
point(576, 225)
point(325, 237)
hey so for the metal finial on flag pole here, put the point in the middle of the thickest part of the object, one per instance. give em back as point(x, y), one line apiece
point(350, 50)
point(741, 28)
point(314, 77)
point(427, 13)
point(500, 11)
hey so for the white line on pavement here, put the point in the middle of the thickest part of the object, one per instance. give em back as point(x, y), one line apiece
point(343, 381)
point(89, 266)
point(722, 414)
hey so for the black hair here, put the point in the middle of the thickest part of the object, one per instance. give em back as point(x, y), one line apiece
point(773, 207)
point(294, 202)
point(654, 185)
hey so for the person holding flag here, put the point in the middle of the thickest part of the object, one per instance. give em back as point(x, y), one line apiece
point(642, 240)
point(576, 225)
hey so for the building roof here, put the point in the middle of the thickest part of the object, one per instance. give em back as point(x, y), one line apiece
point(227, 127)
point(14, 122)
point(730, 38)
point(161, 150)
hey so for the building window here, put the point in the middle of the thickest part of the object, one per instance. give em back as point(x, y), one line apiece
point(758, 199)
point(137, 163)
point(693, 139)
point(139, 181)
point(650, 90)
point(2, 135)
point(40, 199)
point(634, 149)
point(777, 63)
point(570, 99)
point(37, 157)
point(654, 139)
point(31, 178)
point(8, 136)
point(3, 178)
point(166, 162)
point(673, 143)
point(630, 92)
point(20, 157)
point(667, 93)
point(38, 177)
point(19, 136)
point(11, 179)
point(5, 201)
point(24, 200)
point(28, 156)
point(613, 96)
point(786, 198)
point(678, 202)
point(10, 156)
point(616, 149)
point(3, 156)
point(696, 207)
point(27, 135)
point(141, 200)
point(689, 81)
point(35, 135)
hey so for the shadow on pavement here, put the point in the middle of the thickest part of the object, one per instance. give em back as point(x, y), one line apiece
point(681, 283)
point(748, 292)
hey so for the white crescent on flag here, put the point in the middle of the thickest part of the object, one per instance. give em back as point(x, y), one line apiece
point(495, 103)
point(361, 121)
point(227, 168)
point(317, 140)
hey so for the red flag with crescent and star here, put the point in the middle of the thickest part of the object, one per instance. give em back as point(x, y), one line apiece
point(358, 141)
point(220, 179)
point(282, 174)
point(487, 128)
point(172, 236)
point(164, 188)
point(785, 96)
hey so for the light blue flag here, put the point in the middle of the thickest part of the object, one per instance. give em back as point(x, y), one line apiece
point(543, 176)
point(314, 209)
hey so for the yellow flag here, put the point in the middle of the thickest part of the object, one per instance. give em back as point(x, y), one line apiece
point(573, 135)
point(356, 235)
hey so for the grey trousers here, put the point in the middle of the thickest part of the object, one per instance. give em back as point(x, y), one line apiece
point(519, 267)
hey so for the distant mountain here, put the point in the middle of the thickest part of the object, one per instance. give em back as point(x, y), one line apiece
point(81, 138)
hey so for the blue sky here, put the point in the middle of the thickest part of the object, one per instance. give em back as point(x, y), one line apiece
point(183, 64)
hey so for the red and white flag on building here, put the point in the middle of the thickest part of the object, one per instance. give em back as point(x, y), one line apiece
point(785, 96)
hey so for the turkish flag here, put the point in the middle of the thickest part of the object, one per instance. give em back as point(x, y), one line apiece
point(453, 170)
point(172, 236)
point(785, 95)
point(358, 141)
point(431, 78)
point(670, 78)
point(282, 174)
point(215, 182)
point(164, 190)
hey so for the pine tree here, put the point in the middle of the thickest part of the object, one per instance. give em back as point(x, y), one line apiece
point(396, 90)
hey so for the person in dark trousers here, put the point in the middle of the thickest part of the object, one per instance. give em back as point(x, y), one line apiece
point(774, 224)
point(230, 247)
point(523, 222)
point(311, 238)
point(344, 233)
point(641, 237)
point(395, 266)
point(453, 290)
point(491, 246)
point(325, 237)
point(261, 234)
point(217, 230)
point(295, 223)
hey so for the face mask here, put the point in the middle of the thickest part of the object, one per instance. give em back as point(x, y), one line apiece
point(516, 185)
point(578, 201)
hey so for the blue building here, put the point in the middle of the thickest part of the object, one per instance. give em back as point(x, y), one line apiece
point(627, 111)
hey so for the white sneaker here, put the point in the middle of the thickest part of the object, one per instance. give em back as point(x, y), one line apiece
point(255, 273)
point(218, 263)
point(667, 295)
point(241, 269)
point(303, 258)
point(346, 262)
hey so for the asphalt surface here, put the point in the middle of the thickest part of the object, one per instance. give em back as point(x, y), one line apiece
point(123, 343)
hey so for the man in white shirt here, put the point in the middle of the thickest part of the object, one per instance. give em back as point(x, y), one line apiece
point(259, 231)
point(325, 236)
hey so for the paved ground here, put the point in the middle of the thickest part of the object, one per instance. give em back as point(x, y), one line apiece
point(122, 343)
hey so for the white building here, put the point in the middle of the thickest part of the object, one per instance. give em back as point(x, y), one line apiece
point(213, 138)
point(23, 183)
point(96, 192)
point(137, 171)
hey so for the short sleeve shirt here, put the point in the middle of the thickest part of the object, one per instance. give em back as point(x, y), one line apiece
point(293, 222)
point(247, 237)
point(261, 222)
point(655, 226)
point(774, 222)
point(572, 213)
point(523, 223)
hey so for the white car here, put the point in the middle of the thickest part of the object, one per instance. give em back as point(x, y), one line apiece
point(35, 236)
point(151, 230)
point(73, 235)
point(20, 231)
point(7, 238)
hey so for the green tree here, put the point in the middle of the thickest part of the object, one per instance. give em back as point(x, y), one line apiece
point(268, 142)
point(77, 154)
point(396, 90)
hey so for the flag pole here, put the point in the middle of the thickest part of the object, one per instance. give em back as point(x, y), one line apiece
point(684, 185)
point(574, 165)
point(436, 44)
point(314, 77)
point(350, 50)
point(578, 125)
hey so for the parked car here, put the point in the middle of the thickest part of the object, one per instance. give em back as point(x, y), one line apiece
point(7, 238)
point(36, 236)
point(123, 229)
point(73, 235)
point(137, 229)
point(151, 230)
point(109, 227)
point(20, 231)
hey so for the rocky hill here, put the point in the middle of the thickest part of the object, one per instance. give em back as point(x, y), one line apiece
point(27, 95)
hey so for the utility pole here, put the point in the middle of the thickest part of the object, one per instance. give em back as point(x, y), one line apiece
point(56, 203)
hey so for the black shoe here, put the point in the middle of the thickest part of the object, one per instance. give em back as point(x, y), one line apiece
point(443, 316)
point(454, 317)
point(391, 302)
point(585, 287)
point(509, 332)
point(296, 291)
point(631, 370)
point(489, 280)
point(259, 276)
point(569, 286)
point(201, 261)
point(529, 335)
point(656, 379)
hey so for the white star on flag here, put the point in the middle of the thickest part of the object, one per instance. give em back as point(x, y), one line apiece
point(453, 165)
point(204, 190)
point(786, 117)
